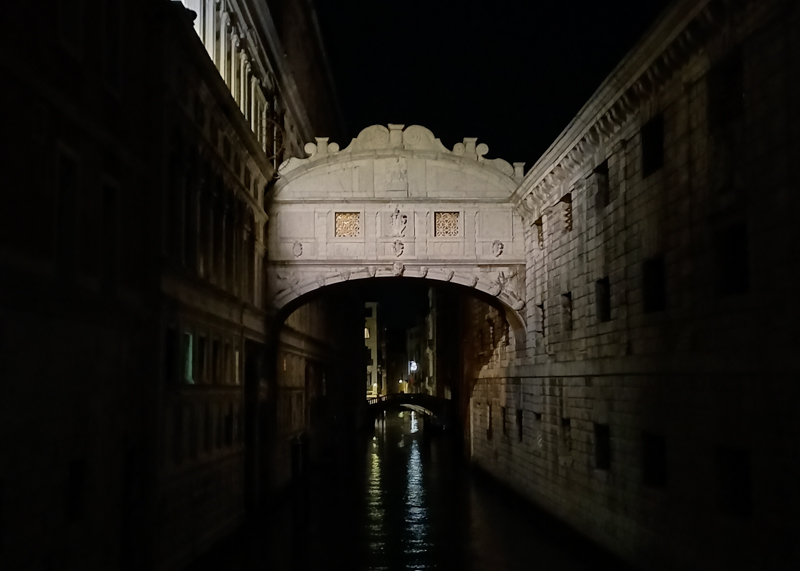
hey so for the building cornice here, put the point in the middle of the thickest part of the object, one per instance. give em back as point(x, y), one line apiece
point(678, 34)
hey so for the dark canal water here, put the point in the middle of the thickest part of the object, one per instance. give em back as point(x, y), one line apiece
point(402, 500)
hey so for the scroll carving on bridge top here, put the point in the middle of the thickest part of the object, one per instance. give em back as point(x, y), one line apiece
point(409, 139)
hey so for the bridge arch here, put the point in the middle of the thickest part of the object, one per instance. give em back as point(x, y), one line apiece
point(396, 203)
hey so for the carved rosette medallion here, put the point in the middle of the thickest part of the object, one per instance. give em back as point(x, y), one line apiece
point(297, 249)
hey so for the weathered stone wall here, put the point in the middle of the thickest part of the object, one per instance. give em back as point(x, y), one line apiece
point(656, 398)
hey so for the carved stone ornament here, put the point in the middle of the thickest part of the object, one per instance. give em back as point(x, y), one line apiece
point(287, 282)
point(321, 280)
point(398, 268)
point(297, 249)
point(449, 276)
point(371, 270)
point(398, 224)
point(423, 271)
point(474, 281)
point(398, 247)
point(345, 275)
point(497, 248)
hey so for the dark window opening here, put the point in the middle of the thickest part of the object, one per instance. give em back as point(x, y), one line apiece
point(489, 422)
point(731, 260)
point(654, 460)
point(504, 420)
point(566, 309)
point(76, 490)
point(566, 434)
point(653, 145)
point(734, 482)
point(540, 309)
point(654, 292)
point(725, 84)
point(602, 291)
point(537, 416)
point(602, 447)
point(229, 422)
point(200, 360)
point(519, 424)
point(602, 197)
point(208, 430)
point(170, 354)
point(368, 312)
point(566, 206)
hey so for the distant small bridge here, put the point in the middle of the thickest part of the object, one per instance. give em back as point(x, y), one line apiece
point(439, 409)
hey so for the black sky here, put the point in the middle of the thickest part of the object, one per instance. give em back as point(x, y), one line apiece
point(512, 74)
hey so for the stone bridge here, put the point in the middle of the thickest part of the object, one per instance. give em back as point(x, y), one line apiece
point(428, 405)
point(397, 203)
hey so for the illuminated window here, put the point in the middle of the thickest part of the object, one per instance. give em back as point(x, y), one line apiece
point(348, 224)
point(445, 223)
point(366, 333)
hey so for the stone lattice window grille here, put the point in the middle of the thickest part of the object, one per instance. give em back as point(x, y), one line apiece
point(348, 224)
point(445, 224)
point(566, 205)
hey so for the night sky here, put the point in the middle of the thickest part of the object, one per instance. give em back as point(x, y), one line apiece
point(512, 74)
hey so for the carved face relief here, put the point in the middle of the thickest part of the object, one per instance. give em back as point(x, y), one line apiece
point(398, 247)
point(497, 248)
point(398, 268)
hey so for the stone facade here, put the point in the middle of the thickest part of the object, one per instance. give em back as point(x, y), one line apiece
point(643, 410)
point(135, 329)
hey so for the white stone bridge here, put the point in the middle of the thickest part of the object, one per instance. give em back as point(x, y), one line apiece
point(396, 203)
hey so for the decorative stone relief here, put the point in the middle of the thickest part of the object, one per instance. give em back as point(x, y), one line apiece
point(423, 271)
point(397, 175)
point(345, 275)
point(371, 271)
point(397, 269)
point(398, 247)
point(474, 281)
point(297, 249)
point(449, 276)
point(348, 224)
point(398, 224)
point(497, 248)
point(445, 224)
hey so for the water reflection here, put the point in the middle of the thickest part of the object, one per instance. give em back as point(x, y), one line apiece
point(402, 501)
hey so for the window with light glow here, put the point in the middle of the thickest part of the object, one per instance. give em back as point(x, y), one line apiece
point(366, 333)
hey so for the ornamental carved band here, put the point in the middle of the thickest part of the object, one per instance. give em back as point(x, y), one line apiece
point(348, 224)
point(445, 223)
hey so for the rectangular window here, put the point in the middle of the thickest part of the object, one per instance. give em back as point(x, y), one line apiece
point(654, 460)
point(504, 420)
point(734, 482)
point(602, 197)
point(602, 294)
point(445, 223)
point(188, 358)
point(519, 424)
point(75, 490)
point(540, 312)
point(654, 291)
point(566, 211)
point(566, 310)
point(347, 224)
point(215, 363)
point(732, 268)
point(566, 435)
point(236, 366)
point(653, 145)
point(200, 360)
point(489, 422)
point(602, 447)
point(170, 354)
point(725, 85)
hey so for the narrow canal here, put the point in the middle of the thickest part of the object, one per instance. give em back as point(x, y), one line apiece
point(404, 501)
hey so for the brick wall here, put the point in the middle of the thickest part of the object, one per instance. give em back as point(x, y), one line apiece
point(656, 397)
